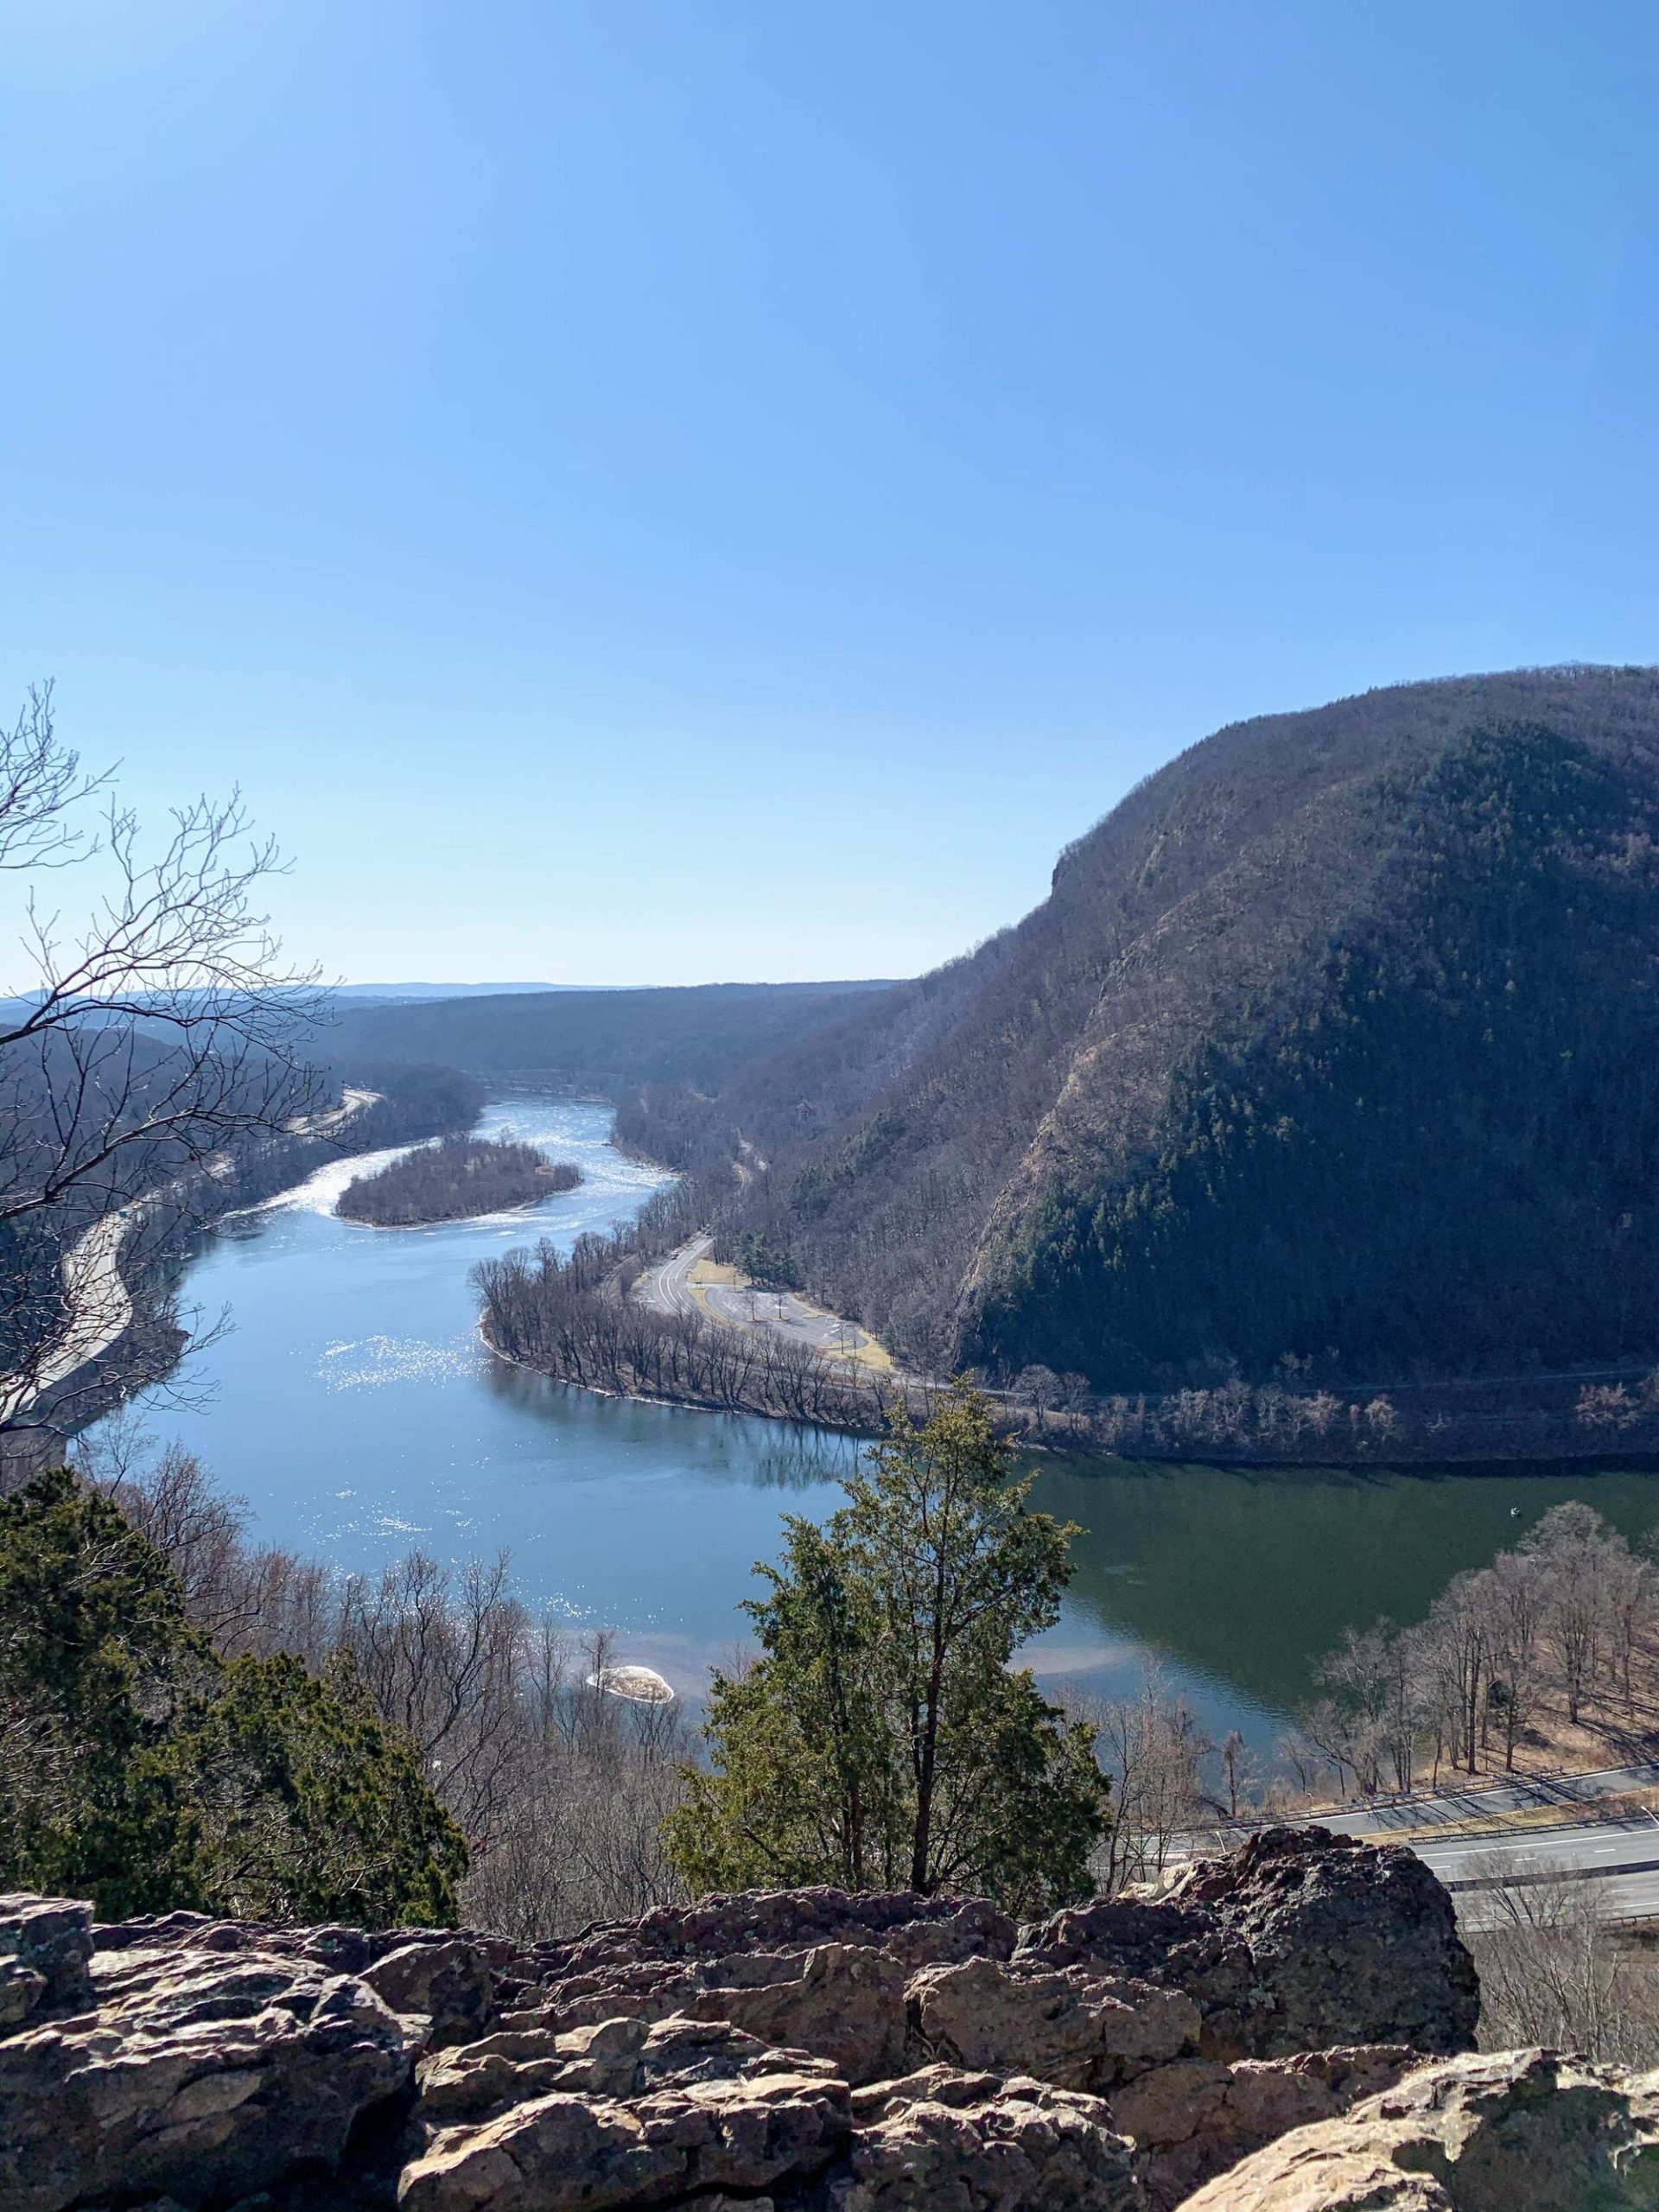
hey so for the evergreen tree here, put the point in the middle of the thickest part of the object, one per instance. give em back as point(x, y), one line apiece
point(882, 1739)
point(139, 1769)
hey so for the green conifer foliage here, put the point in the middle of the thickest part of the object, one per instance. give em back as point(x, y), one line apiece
point(141, 1770)
point(882, 1739)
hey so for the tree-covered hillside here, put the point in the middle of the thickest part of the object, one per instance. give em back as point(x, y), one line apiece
point(1439, 1154)
point(1333, 1043)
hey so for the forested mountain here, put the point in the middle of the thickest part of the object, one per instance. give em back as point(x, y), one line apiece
point(608, 1041)
point(1336, 1043)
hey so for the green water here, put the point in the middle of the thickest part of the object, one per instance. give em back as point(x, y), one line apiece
point(1246, 1579)
point(353, 1406)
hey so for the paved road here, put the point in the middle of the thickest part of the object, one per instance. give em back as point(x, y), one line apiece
point(1597, 1848)
point(1616, 1863)
point(97, 1309)
point(667, 1288)
point(1621, 1857)
point(786, 1315)
point(97, 1306)
point(1490, 1800)
point(353, 1100)
point(1633, 1895)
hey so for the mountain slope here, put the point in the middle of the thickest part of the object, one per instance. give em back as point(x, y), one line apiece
point(1335, 1041)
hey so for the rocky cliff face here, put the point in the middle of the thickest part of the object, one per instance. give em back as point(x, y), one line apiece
point(797, 2051)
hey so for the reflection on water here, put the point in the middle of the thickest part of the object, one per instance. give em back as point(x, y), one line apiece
point(355, 1407)
point(1247, 1577)
point(761, 1455)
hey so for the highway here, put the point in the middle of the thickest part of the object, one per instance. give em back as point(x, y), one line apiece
point(1620, 1854)
point(97, 1306)
point(667, 1288)
point(1630, 1895)
point(1597, 1848)
point(1480, 1801)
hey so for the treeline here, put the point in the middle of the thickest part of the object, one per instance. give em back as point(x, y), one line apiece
point(422, 1099)
point(432, 1747)
point(1554, 1631)
point(1291, 1422)
point(409, 1105)
point(614, 1042)
point(454, 1179)
point(574, 1318)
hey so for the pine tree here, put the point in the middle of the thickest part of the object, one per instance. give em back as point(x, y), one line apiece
point(882, 1739)
point(141, 1770)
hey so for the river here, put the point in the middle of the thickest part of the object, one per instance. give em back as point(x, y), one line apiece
point(349, 1400)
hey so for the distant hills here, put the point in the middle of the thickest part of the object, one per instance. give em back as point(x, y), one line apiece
point(1333, 1052)
point(400, 994)
point(618, 1043)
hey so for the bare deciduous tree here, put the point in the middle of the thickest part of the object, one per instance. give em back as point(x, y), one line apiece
point(1555, 1970)
point(1154, 1746)
point(140, 1041)
point(1564, 1615)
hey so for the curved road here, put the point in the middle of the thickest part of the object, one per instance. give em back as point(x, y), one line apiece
point(667, 1288)
point(97, 1304)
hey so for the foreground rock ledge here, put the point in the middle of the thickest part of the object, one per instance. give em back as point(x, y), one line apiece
point(1518, 2131)
point(801, 2050)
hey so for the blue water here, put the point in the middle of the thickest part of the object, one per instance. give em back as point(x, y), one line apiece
point(350, 1402)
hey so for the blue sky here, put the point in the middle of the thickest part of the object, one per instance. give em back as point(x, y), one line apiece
point(725, 488)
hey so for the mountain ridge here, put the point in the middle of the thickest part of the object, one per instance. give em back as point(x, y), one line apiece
point(936, 1161)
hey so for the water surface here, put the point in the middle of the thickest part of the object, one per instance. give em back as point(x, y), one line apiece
point(351, 1404)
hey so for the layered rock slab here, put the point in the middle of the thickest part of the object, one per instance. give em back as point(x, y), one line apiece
point(1527, 2131)
point(810, 2049)
point(950, 2141)
point(1299, 1941)
point(194, 2077)
point(45, 1946)
point(719, 2111)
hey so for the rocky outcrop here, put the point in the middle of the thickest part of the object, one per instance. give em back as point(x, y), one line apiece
point(1082, 2028)
point(790, 2051)
point(957, 2142)
point(700, 2108)
point(1521, 2130)
point(1300, 1941)
point(190, 2075)
point(843, 2001)
point(1197, 2117)
point(45, 1944)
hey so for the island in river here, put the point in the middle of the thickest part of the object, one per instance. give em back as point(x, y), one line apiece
point(454, 1180)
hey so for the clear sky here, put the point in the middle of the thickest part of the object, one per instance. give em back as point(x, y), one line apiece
point(725, 488)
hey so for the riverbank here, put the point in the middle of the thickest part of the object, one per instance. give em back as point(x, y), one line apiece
point(651, 1328)
point(352, 1404)
point(119, 1335)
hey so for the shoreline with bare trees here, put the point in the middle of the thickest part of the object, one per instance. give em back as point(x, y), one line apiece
point(579, 1321)
point(1546, 1659)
